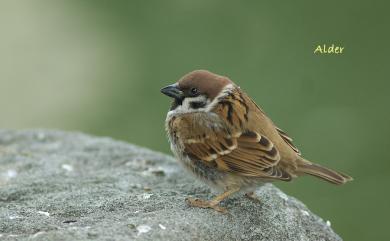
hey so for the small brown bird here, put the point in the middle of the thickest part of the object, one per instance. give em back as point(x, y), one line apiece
point(226, 140)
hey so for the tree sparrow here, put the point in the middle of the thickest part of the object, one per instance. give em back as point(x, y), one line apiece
point(226, 140)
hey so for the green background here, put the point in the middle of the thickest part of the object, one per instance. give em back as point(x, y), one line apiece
point(98, 66)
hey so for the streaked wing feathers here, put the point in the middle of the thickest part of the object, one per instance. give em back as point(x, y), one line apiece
point(246, 154)
point(288, 140)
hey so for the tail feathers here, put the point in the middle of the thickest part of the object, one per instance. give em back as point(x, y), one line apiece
point(324, 173)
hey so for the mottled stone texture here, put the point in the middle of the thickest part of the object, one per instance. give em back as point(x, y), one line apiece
point(69, 186)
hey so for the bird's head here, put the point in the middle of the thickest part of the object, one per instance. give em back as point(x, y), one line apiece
point(196, 91)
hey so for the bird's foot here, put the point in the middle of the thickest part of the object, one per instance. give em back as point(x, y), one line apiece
point(252, 196)
point(196, 202)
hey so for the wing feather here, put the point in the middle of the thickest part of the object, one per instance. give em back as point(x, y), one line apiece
point(247, 154)
point(288, 140)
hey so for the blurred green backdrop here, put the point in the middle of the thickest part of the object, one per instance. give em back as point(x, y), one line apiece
point(98, 66)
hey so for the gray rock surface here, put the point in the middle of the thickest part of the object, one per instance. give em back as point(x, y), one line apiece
point(69, 186)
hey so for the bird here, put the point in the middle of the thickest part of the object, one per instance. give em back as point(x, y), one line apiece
point(219, 134)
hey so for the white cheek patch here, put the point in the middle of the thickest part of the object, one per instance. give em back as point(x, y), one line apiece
point(199, 99)
point(186, 107)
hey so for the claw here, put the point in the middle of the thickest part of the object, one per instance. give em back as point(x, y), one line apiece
point(196, 202)
point(214, 203)
point(252, 196)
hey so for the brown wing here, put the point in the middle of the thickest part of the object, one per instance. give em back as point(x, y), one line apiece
point(246, 154)
point(288, 140)
point(282, 133)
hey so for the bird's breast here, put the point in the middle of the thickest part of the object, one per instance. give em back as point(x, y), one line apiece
point(182, 128)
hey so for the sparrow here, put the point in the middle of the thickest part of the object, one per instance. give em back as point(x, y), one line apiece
point(226, 140)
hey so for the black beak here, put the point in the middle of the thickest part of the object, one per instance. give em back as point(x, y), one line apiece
point(173, 91)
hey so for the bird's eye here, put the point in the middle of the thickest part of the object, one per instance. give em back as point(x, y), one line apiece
point(194, 91)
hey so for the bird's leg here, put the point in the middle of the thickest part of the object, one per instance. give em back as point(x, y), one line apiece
point(213, 203)
point(252, 196)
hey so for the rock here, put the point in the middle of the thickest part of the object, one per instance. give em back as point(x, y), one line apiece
point(69, 186)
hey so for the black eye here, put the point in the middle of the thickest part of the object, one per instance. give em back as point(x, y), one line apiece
point(194, 91)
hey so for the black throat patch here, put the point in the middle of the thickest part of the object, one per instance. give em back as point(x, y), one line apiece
point(175, 103)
